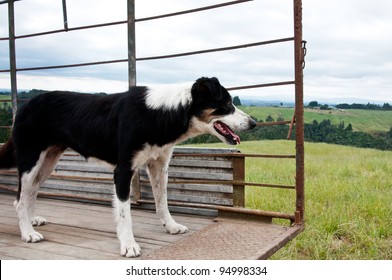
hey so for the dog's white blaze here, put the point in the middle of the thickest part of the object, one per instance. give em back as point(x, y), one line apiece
point(237, 121)
point(168, 97)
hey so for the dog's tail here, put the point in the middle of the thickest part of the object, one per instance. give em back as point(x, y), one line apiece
point(7, 155)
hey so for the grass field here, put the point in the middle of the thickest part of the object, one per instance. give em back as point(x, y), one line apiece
point(348, 198)
point(362, 120)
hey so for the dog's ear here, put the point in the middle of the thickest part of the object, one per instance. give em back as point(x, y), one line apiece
point(208, 86)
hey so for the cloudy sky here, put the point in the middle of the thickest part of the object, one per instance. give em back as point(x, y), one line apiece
point(349, 46)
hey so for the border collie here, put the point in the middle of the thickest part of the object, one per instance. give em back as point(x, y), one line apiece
point(127, 130)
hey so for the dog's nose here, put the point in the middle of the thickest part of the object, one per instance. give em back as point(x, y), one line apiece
point(252, 123)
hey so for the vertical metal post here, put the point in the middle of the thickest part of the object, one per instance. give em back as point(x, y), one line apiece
point(11, 31)
point(131, 44)
point(135, 183)
point(299, 111)
point(65, 15)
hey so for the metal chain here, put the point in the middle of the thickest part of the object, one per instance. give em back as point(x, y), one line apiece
point(304, 50)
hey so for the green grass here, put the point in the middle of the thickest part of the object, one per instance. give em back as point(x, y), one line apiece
point(362, 120)
point(348, 198)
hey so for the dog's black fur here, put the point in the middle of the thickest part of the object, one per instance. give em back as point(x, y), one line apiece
point(112, 128)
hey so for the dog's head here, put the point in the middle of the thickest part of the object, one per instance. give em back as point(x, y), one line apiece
point(215, 113)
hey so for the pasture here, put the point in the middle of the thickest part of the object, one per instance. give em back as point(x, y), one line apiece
point(370, 121)
point(348, 206)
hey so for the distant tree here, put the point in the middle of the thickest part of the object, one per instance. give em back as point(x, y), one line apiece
point(349, 127)
point(324, 107)
point(341, 125)
point(313, 104)
point(269, 119)
point(387, 107)
point(236, 101)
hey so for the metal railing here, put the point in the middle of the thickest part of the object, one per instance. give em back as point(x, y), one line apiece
point(299, 53)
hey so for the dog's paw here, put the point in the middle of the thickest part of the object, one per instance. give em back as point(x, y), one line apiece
point(174, 228)
point(38, 221)
point(32, 237)
point(131, 250)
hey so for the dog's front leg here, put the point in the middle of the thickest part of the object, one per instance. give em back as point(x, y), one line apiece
point(158, 173)
point(122, 206)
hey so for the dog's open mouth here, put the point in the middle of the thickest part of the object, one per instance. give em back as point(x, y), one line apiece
point(227, 132)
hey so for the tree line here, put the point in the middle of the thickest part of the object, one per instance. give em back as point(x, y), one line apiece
point(368, 106)
point(324, 132)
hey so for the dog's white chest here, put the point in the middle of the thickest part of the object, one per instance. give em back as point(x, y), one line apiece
point(151, 153)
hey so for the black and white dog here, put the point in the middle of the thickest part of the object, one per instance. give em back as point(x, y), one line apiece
point(128, 130)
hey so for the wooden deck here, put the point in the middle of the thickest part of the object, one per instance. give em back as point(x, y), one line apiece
point(87, 231)
point(83, 231)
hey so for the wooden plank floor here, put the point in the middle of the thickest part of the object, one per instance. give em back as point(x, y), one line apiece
point(84, 231)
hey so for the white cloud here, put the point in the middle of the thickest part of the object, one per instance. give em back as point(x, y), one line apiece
point(348, 45)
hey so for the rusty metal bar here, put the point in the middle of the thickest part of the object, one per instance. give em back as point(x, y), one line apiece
point(68, 65)
point(226, 182)
point(131, 43)
point(123, 21)
point(299, 112)
point(263, 85)
point(273, 123)
point(172, 56)
point(292, 122)
point(227, 209)
point(65, 15)
point(12, 50)
point(217, 49)
point(191, 181)
point(69, 29)
point(7, 1)
point(194, 10)
point(231, 155)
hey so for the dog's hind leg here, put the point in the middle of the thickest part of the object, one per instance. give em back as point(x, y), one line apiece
point(30, 180)
point(122, 211)
point(158, 174)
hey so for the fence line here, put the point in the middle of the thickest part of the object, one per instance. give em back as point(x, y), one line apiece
point(297, 82)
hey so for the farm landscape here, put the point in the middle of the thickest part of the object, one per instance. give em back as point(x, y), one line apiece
point(348, 186)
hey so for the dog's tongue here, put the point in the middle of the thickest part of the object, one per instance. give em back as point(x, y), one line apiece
point(227, 132)
point(236, 138)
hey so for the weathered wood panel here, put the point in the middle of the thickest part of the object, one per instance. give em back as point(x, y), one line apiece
point(76, 178)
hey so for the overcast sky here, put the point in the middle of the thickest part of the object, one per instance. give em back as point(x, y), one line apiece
point(349, 46)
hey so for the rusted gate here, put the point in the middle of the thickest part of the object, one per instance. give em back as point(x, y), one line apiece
point(237, 182)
